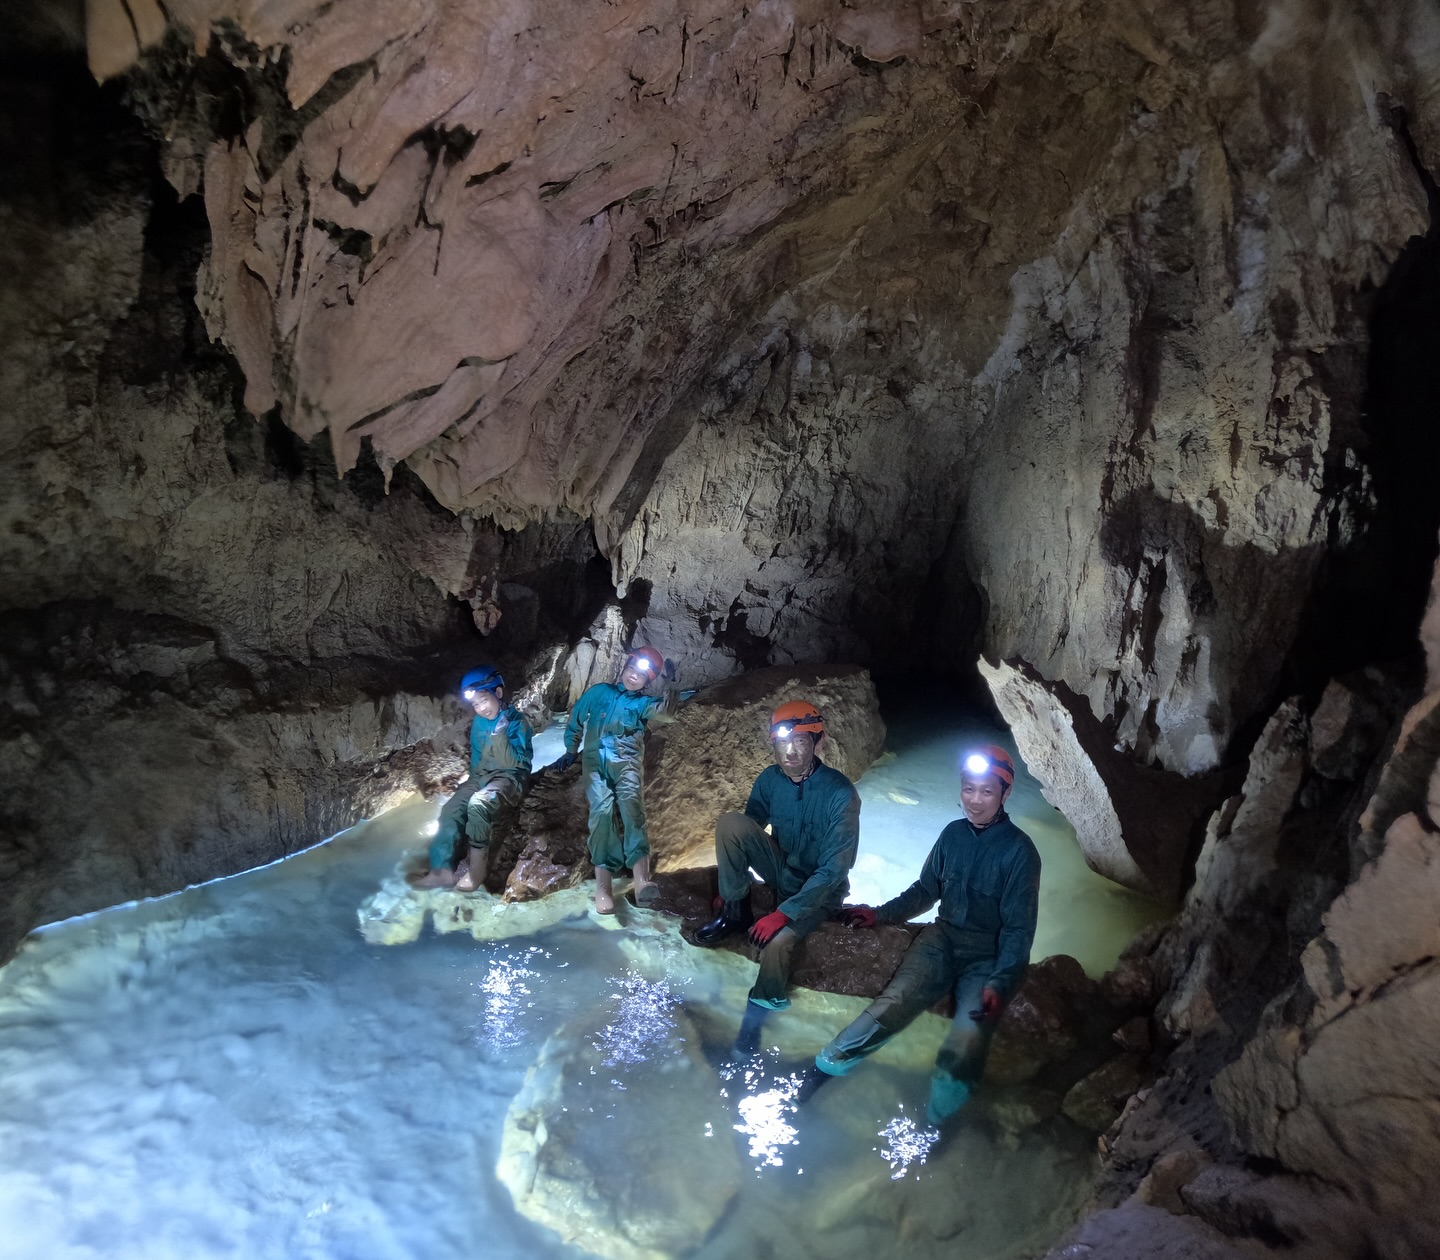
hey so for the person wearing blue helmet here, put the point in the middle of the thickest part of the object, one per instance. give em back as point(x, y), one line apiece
point(610, 719)
point(985, 873)
point(500, 759)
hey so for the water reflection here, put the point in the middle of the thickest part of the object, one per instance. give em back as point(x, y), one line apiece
point(642, 1020)
point(767, 1105)
point(507, 996)
point(907, 1144)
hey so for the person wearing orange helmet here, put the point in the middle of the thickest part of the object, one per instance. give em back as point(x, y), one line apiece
point(611, 718)
point(813, 813)
point(985, 873)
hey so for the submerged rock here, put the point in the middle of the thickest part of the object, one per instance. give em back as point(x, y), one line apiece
point(591, 1095)
point(1096, 1102)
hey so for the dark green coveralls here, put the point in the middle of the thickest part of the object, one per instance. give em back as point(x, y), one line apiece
point(806, 859)
point(613, 722)
point(500, 757)
point(988, 886)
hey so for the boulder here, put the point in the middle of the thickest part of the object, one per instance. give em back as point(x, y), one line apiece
point(705, 761)
point(1096, 1102)
point(560, 1166)
point(1043, 1022)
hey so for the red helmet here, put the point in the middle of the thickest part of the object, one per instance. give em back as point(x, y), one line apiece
point(796, 715)
point(990, 759)
point(647, 660)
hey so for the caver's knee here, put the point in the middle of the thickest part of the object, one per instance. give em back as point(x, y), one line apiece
point(733, 827)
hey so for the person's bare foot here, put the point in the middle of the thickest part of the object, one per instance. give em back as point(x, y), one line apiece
point(440, 877)
point(604, 894)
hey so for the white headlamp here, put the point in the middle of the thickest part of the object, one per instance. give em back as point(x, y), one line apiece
point(976, 764)
point(783, 731)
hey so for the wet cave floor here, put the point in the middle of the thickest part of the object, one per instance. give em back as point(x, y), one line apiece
point(234, 1071)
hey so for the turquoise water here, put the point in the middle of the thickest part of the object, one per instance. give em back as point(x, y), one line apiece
point(235, 1071)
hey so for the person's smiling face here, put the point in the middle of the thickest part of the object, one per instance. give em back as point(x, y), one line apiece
point(486, 703)
point(981, 796)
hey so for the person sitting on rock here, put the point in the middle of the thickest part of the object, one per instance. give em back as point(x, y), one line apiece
point(985, 873)
point(500, 758)
point(813, 813)
point(612, 719)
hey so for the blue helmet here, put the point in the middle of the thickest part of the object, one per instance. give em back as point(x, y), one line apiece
point(477, 680)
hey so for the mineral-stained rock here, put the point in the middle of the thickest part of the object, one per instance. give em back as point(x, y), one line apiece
point(1042, 1023)
point(704, 763)
point(559, 1161)
point(1095, 1103)
point(1347, 1092)
point(1134, 824)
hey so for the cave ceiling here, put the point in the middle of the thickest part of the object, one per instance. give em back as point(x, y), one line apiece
point(834, 317)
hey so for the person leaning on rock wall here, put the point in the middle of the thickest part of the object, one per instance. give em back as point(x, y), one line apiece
point(813, 813)
point(612, 719)
point(985, 873)
point(500, 759)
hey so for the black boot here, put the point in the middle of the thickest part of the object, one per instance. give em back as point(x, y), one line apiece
point(747, 1040)
point(811, 1079)
point(734, 918)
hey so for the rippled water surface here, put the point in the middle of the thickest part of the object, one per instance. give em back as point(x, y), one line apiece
point(233, 1071)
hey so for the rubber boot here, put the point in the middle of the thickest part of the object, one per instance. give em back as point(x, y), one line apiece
point(810, 1082)
point(734, 917)
point(646, 891)
point(747, 1040)
point(479, 868)
point(604, 895)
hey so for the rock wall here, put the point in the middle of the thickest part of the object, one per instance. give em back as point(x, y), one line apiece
point(214, 652)
point(864, 332)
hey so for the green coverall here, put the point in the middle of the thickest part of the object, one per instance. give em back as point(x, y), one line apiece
point(613, 723)
point(806, 859)
point(988, 886)
point(500, 758)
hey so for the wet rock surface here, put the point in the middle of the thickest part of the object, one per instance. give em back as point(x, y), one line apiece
point(586, 1095)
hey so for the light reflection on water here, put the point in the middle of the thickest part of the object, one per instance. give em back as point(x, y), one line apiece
point(507, 997)
point(907, 1144)
point(641, 1023)
point(220, 1126)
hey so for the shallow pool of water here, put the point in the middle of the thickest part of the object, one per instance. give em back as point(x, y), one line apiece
point(234, 1071)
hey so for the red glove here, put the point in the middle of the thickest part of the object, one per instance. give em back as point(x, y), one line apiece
point(858, 916)
point(765, 929)
point(991, 1004)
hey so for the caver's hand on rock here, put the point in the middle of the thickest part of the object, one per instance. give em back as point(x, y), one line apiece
point(858, 916)
point(562, 763)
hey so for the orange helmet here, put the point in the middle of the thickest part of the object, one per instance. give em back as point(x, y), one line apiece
point(990, 759)
point(647, 660)
point(796, 715)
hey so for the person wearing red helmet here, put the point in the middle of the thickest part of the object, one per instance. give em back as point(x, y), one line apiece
point(611, 718)
point(813, 813)
point(985, 873)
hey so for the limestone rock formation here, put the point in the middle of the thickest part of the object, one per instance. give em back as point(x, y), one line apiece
point(560, 1166)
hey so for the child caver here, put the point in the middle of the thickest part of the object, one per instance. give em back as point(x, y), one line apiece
point(612, 719)
point(500, 757)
